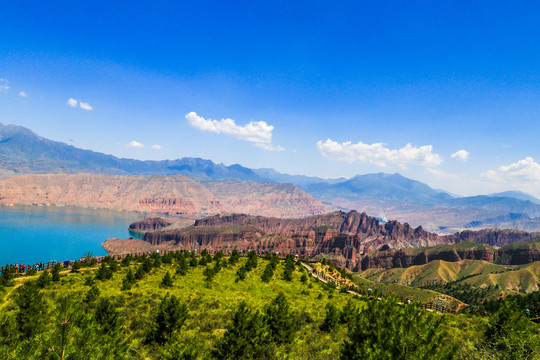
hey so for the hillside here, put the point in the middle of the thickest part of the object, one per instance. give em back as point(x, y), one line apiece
point(174, 195)
point(479, 273)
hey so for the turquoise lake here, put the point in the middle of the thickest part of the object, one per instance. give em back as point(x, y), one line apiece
point(30, 234)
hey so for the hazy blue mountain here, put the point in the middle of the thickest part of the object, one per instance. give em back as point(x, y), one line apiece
point(520, 195)
point(299, 180)
point(381, 187)
point(24, 152)
point(498, 203)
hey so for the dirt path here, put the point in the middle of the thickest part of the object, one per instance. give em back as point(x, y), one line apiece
point(5, 302)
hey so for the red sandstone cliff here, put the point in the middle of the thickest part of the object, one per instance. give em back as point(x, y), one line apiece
point(174, 195)
point(351, 239)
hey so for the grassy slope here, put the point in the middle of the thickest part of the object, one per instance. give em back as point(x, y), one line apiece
point(475, 272)
point(211, 305)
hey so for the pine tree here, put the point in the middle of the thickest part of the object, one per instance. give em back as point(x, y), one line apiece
point(182, 268)
point(91, 295)
point(30, 315)
point(267, 274)
point(348, 313)
point(332, 318)
point(289, 267)
point(387, 330)
point(139, 273)
point(167, 281)
point(304, 278)
point(44, 279)
point(233, 259)
point(193, 260)
point(128, 281)
point(246, 336)
point(104, 272)
point(55, 272)
point(170, 317)
point(241, 274)
point(251, 262)
point(107, 317)
point(509, 333)
point(281, 322)
point(126, 261)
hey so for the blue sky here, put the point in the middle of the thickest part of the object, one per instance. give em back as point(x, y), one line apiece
point(333, 88)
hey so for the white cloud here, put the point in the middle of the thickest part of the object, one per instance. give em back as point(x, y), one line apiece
point(23, 94)
point(4, 85)
point(522, 175)
point(257, 132)
point(379, 155)
point(135, 144)
point(85, 106)
point(156, 147)
point(72, 102)
point(461, 155)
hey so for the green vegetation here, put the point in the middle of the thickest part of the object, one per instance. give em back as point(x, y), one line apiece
point(183, 306)
point(478, 273)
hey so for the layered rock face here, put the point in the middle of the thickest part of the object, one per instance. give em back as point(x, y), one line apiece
point(345, 236)
point(351, 223)
point(350, 239)
point(280, 200)
point(516, 254)
point(494, 237)
point(174, 195)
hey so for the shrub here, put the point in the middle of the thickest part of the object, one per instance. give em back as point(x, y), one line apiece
point(76, 267)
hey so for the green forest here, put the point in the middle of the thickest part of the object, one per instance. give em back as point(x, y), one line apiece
point(184, 305)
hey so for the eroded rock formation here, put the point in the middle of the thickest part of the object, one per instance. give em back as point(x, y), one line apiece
point(349, 239)
point(174, 195)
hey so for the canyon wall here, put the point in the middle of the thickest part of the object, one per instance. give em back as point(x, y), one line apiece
point(356, 241)
point(173, 195)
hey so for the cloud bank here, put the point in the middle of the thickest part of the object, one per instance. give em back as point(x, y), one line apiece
point(23, 94)
point(379, 155)
point(257, 132)
point(461, 155)
point(523, 175)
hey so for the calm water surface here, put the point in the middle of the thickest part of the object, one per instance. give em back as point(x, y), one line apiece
point(30, 234)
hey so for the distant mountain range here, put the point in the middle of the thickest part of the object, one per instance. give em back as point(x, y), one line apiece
point(383, 195)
